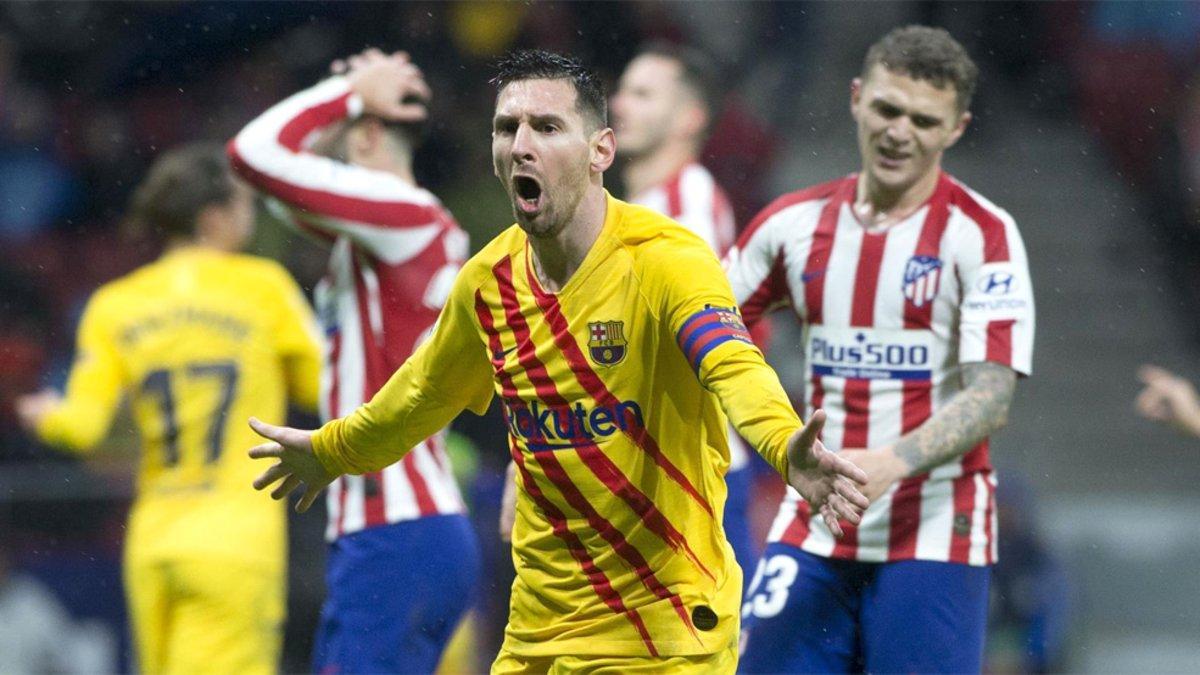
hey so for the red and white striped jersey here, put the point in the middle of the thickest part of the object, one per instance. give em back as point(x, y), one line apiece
point(395, 253)
point(693, 198)
point(889, 319)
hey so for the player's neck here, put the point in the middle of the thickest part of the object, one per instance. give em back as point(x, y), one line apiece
point(557, 258)
point(648, 171)
point(876, 206)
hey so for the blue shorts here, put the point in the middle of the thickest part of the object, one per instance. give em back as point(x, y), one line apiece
point(809, 614)
point(395, 594)
point(737, 524)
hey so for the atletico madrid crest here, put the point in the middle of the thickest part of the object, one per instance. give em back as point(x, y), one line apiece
point(921, 277)
point(606, 342)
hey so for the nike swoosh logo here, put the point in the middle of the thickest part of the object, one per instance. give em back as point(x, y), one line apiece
point(809, 276)
point(499, 355)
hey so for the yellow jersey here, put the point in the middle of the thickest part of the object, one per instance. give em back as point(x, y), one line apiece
point(612, 390)
point(198, 341)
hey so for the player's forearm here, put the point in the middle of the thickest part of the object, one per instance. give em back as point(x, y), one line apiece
point(73, 427)
point(754, 401)
point(383, 430)
point(968, 418)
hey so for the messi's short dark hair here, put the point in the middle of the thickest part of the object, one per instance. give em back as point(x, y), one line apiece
point(181, 183)
point(538, 64)
point(929, 54)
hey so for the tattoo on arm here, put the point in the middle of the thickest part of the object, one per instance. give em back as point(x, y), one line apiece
point(969, 417)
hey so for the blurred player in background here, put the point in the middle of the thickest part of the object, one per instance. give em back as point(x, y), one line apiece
point(1169, 399)
point(196, 341)
point(606, 329)
point(918, 311)
point(403, 559)
point(663, 110)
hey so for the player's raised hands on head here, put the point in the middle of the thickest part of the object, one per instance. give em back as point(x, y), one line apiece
point(391, 86)
point(296, 465)
point(1170, 399)
point(830, 484)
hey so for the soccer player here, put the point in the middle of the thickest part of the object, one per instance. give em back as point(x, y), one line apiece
point(395, 252)
point(1169, 399)
point(915, 296)
point(608, 333)
point(663, 111)
point(196, 341)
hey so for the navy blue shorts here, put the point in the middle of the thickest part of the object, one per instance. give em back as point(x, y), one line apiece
point(737, 524)
point(395, 594)
point(809, 614)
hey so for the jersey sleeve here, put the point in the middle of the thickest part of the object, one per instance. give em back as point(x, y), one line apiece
point(698, 309)
point(94, 388)
point(996, 312)
point(384, 215)
point(298, 342)
point(756, 272)
point(449, 372)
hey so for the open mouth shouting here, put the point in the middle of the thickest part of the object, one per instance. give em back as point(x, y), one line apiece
point(528, 194)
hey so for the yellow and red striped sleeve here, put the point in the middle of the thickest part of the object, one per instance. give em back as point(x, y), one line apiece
point(448, 373)
point(699, 310)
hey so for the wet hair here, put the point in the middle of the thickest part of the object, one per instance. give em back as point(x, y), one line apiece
point(536, 64)
point(181, 183)
point(696, 70)
point(925, 53)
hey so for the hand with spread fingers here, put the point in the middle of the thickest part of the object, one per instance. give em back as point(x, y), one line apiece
point(297, 465)
point(825, 480)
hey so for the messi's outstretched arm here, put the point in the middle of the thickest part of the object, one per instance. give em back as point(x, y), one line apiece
point(448, 373)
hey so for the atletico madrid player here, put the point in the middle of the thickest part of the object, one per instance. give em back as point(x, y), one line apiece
point(620, 556)
point(916, 301)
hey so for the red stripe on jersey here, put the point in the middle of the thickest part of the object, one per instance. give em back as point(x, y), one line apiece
point(335, 353)
point(425, 503)
point(772, 289)
point(596, 577)
point(857, 392)
point(813, 277)
point(374, 500)
point(917, 403)
point(374, 504)
point(999, 341)
point(292, 134)
point(964, 512)
point(977, 458)
point(596, 388)
point(558, 520)
point(603, 468)
point(334, 205)
point(995, 239)
point(674, 194)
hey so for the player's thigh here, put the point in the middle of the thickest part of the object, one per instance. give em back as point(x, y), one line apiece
point(148, 597)
point(928, 617)
point(228, 618)
point(800, 614)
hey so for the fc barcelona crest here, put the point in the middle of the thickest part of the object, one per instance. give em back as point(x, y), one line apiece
point(606, 342)
point(921, 277)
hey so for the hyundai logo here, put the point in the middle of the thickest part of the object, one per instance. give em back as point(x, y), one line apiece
point(996, 283)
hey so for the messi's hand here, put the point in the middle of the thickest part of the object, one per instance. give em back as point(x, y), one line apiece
point(826, 481)
point(297, 464)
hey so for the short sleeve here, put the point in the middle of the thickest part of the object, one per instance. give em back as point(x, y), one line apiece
point(996, 321)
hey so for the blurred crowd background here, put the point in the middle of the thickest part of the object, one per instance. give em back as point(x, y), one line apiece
point(1087, 129)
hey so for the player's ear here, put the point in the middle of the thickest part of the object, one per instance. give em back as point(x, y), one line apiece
point(856, 86)
point(604, 149)
point(959, 128)
point(695, 118)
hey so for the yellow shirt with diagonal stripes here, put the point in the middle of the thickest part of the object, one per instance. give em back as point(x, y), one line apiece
point(197, 341)
point(612, 391)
